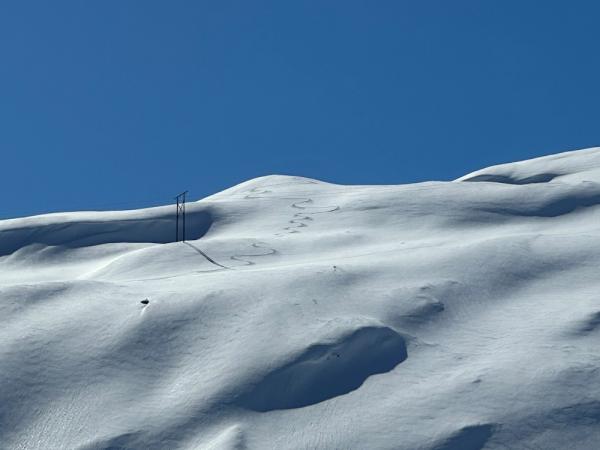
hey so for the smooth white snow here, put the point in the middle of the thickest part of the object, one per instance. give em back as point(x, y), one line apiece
point(305, 315)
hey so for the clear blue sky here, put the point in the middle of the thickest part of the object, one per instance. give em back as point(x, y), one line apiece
point(115, 104)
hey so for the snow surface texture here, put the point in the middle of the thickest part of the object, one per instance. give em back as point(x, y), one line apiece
point(304, 315)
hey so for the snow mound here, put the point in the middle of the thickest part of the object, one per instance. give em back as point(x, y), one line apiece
point(300, 314)
point(324, 371)
point(580, 165)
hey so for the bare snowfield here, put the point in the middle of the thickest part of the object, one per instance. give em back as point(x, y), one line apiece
point(299, 314)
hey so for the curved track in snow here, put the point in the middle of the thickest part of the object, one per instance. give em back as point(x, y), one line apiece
point(303, 203)
point(243, 257)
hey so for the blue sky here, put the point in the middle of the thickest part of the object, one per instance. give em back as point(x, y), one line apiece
point(117, 104)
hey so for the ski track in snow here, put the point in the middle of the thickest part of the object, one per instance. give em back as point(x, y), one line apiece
point(249, 262)
point(299, 219)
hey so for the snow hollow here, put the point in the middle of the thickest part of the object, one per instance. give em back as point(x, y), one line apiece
point(299, 314)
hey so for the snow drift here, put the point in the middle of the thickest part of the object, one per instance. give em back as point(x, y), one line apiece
point(301, 314)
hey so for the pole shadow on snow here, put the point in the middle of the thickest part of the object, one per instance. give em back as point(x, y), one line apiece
point(208, 258)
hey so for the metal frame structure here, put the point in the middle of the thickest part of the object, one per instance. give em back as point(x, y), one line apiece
point(180, 212)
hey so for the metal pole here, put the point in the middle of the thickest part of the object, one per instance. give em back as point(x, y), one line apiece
point(177, 221)
point(184, 216)
point(180, 210)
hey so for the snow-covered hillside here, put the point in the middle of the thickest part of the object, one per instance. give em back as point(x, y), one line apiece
point(304, 315)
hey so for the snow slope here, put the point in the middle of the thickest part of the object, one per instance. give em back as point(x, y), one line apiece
point(304, 315)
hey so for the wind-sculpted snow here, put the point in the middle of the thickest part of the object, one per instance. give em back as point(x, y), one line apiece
point(324, 371)
point(473, 437)
point(539, 178)
point(77, 231)
point(564, 167)
point(306, 315)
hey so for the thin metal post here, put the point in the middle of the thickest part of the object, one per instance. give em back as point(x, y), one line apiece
point(180, 211)
point(177, 221)
point(184, 216)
